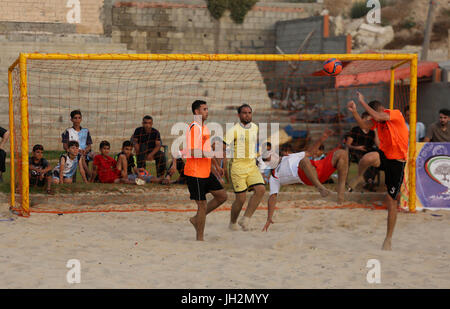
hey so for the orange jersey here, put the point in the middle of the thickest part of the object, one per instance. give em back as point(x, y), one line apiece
point(198, 137)
point(393, 135)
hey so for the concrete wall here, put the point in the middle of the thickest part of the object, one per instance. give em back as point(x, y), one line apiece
point(187, 26)
point(53, 12)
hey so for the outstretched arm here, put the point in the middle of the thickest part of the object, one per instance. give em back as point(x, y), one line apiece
point(363, 124)
point(377, 116)
point(312, 149)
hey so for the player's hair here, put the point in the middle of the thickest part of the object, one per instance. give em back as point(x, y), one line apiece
point(104, 144)
point(243, 106)
point(38, 147)
point(406, 108)
point(375, 104)
point(365, 115)
point(147, 117)
point(322, 147)
point(196, 105)
point(127, 144)
point(74, 113)
point(445, 111)
point(72, 143)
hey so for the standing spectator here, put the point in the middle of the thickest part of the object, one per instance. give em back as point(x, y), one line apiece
point(439, 131)
point(147, 144)
point(420, 127)
point(4, 134)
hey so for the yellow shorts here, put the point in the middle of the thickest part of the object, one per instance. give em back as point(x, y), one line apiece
point(245, 174)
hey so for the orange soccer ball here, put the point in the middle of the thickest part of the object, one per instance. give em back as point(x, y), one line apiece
point(332, 67)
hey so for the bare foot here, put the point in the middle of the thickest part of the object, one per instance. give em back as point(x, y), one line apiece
point(341, 198)
point(387, 245)
point(233, 226)
point(244, 222)
point(193, 221)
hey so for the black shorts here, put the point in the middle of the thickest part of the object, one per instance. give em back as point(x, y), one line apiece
point(394, 172)
point(198, 187)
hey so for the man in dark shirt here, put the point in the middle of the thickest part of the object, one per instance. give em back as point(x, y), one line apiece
point(4, 134)
point(359, 142)
point(439, 132)
point(147, 144)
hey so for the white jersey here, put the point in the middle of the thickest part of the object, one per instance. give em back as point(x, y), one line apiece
point(286, 172)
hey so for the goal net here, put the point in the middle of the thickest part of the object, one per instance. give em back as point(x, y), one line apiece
point(292, 102)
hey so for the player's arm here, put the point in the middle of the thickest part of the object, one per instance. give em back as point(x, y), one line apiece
point(377, 139)
point(312, 149)
point(377, 116)
point(363, 124)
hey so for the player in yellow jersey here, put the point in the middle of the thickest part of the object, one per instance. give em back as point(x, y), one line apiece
point(245, 175)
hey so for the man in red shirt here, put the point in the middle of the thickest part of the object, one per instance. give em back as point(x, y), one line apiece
point(390, 157)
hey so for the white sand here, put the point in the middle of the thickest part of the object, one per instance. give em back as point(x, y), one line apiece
point(303, 249)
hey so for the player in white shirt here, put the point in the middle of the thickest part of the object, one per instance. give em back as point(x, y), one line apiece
point(298, 168)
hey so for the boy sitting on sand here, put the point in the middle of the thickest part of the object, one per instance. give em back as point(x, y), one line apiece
point(107, 169)
point(67, 166)
point(40, 170)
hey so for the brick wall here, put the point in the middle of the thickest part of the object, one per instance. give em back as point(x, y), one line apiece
point(53, 11)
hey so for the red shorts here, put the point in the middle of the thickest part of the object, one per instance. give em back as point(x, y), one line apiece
point(323, 167)
point(109, 177)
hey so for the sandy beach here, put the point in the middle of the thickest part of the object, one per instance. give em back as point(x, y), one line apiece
point(305, 248)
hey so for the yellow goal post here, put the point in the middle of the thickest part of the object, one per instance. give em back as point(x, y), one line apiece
point(21, 65)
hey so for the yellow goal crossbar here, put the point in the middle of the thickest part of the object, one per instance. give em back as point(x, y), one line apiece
point(22, 62)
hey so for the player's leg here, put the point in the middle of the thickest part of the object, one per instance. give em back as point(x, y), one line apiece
point(340, 162)
point(255, 181)
point(253, 203)
point(394, 173)
point(368, 160)
point(236, 208)
point(199, 220)
point(391, 220)
point(311, 173)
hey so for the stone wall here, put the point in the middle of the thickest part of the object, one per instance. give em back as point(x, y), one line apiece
point(188, 27)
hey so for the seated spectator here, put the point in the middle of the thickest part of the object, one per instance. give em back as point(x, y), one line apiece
point(361, 141)
point(68, 164)
point(147, 144)
point(83, 137)
point(420, 127)
point(107, 169)
point(4, 134)
point(127, 161)
point(267, 161)
point(40, 170)
point(439, 132)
